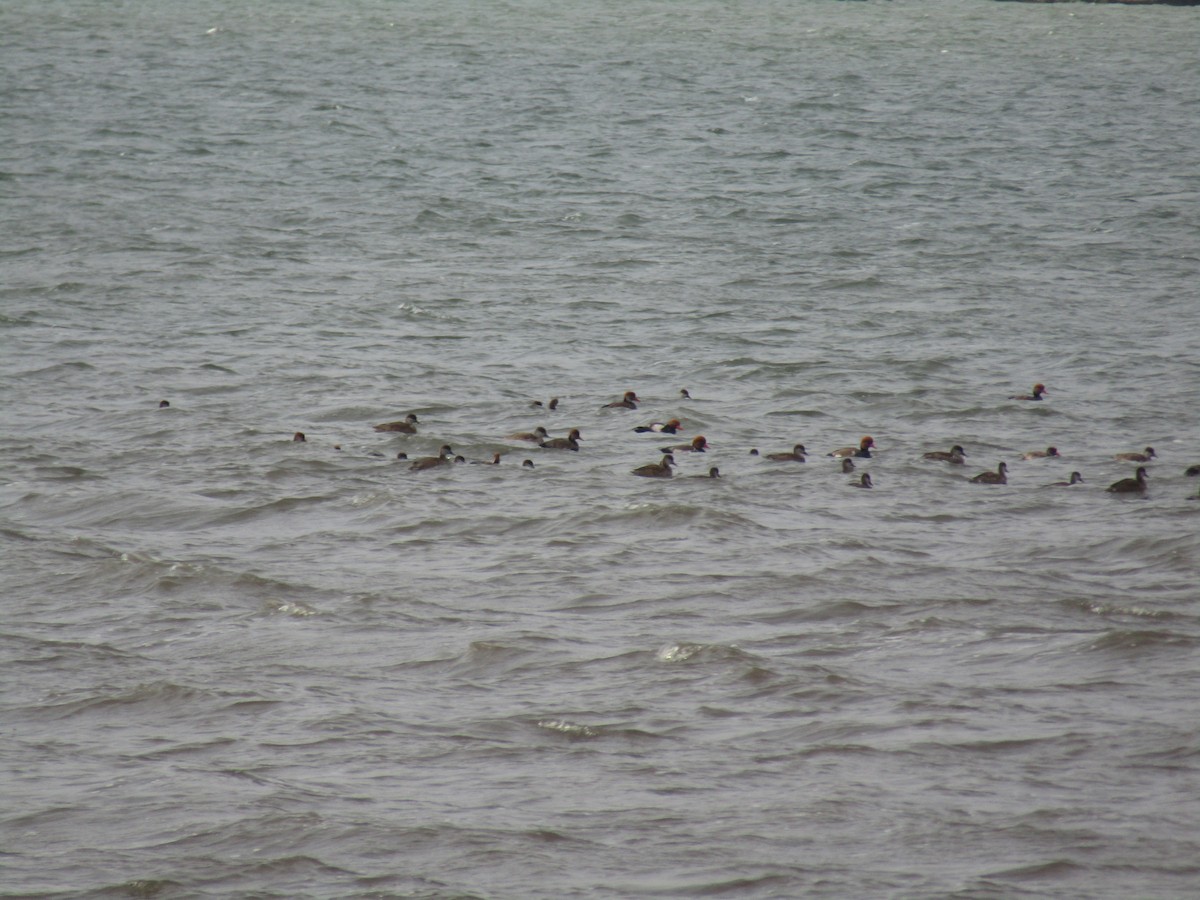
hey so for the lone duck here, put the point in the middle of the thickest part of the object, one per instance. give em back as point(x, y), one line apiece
point(1192, 471)
point(536, 436)
point(796, 455)
point(1076, 478)
point(299, 437)
point(570, 442)
point(408, 426)
point(1145, 456)
point(714, 472)
point(1038, 390)
point(1041, 454)
point(956, 455)
point(1135, 485)
point(1000, 476)
point(658, 469)
point(862, 451)
point(629, 401)
point(669, 427)
point(684, 395)
point(699, 444)
point(864, 482)
point(445, 454)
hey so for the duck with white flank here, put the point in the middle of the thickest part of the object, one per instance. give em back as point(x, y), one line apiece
point(862, 451)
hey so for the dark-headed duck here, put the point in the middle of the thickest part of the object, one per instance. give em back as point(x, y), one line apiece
point(527, 464)
point(494, 461)
point(408, 426)
point(163, 404)
point(668, 427)
point(299, 437)
point(570, 442)
point(956, 455)
point(863, 450)
point(1038, 390)
point(1076, 478)
point(699, 444)
point(658, 469)
point(1000, 476)
point(536, 436)
point(1135, 485)
point(428, 462)
point(864, 482)
point(684, 395)
point(796, 455)
point(552, 405)
point(847, 466)
point(714, 472)
point(1041, 454)
point(629, 401)
point(1192, 471)
point(1145, 456)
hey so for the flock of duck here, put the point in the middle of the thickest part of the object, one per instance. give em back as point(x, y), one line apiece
point(664, 468)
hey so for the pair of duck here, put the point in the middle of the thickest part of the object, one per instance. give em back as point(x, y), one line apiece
point(799, 453)
point(542, 438)
point(630, 400)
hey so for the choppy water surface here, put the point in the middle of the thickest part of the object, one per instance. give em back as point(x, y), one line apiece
point(237, 665)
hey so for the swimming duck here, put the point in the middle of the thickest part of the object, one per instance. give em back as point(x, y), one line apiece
point(1145, 456)
point(408, 426)
point(536, 436)
point(684, 395)
point(714, 472)
point(1135, 485)
point(669, 427)
point(956, 455)
point(1076, 478)
point(428, 462)
point(629, 401)
point(163, 404)
point(527, 464)
point(1192, 471)
point(494, 461)
point(570, 442)
point(1038, 390)
point(862, 451)
point(864, 482)
point(1000, 476)
point(658, 469)
point(797, 455)
point(552, 405)
point(299, 437)
point(698, 445)
point(1041, 454)
point(847, 466)
point(401, 455)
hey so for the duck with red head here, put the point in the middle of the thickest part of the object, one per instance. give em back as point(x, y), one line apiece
point(1038, 390)
point(862, 451)
point(629, 401)
point(699, 444)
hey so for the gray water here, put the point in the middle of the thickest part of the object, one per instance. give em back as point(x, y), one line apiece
point(235, 665)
